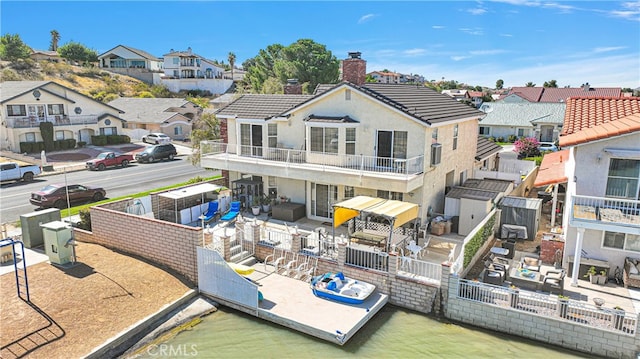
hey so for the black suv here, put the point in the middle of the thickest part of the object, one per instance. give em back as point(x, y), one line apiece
point(157, 152)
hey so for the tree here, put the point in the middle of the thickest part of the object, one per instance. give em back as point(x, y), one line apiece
point(309, 62)
point(370, 78)
point(530, 84)
point(12, 48)
point(232, 62)
point(527, 147)
point(550, 83)
point(499, 84)
point(74, 51)
point(55, 37)
point(205, 128)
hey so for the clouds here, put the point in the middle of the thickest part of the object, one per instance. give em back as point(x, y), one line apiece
point(366, 18)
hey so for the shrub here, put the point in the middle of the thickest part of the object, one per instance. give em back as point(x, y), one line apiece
point(81, 144)
point(85, 220)
point(512, 138)
point(527, 147)
point(500, 139)
point(9, 75)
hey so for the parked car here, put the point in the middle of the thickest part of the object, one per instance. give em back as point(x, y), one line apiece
point(156, 138)
point(547, 146)
point(109, 159)
point(55, 195)
point(12, 171)
point(157, 152)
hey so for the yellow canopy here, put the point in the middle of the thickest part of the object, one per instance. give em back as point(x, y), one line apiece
point(400, 212)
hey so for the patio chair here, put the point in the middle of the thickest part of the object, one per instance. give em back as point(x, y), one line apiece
point(554, 281)
point(492, 276)
point(233, 211)
point(212, 211)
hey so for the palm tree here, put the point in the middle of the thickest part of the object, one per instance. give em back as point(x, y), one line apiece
point(530, 84)
point(232, 62)
point(55, 38)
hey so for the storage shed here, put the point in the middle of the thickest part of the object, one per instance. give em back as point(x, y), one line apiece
point(522, 212)
point(470, 206)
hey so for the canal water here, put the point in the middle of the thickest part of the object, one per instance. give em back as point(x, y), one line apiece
point(393, 333)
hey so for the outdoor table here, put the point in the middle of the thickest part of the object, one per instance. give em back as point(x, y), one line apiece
point(503, 252)
point(525, 278)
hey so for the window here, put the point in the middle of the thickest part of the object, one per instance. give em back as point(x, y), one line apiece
point(30, 137)
point(176, 60)
point(106, 131)
point(455, 137)
point(16, 110)
point(400, 144)
point(623, 241)
point(349, 192)
point(59, 135)
point(521, 132)
point(55, 109)
point(272, 133)
point(324, 140)
point(350, 141)
point(434, 136)
point(177, 130)
point(347, 94)
point(396, 196)
point(484, 130)
point(623, 178)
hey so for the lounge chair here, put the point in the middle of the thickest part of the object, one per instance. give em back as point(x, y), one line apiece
point(212, 211)
point(232, 213)
point(554, 281)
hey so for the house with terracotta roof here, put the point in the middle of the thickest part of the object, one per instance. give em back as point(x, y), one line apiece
point(558, 94)
point(522, 119)
point(171, 116)
point(395, 141)
point(74, 116)
point(385, 77)
point(474, 97)
point(602, 170)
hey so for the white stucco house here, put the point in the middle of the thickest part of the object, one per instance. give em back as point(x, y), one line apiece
point(602, 210)
point(26, 104)
point(186, 70)
point(132, 62)
point(522, 119)
point(402, 142)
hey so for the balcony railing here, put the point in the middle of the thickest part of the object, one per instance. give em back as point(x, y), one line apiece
point(604, 210)
point(409, 166)
point(57, 120)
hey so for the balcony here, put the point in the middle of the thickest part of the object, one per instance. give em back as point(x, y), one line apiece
point(57, 120)
point(399, 175)
point(608, 214)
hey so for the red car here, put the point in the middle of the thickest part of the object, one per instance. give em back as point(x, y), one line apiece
point(55, 195)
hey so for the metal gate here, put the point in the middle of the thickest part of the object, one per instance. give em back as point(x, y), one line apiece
point(218, 280)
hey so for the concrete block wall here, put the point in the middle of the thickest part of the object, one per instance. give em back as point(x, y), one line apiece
point(543, 329)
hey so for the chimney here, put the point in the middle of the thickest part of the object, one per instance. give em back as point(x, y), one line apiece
point(353, 69)
point(292, 87)
point(586, 87)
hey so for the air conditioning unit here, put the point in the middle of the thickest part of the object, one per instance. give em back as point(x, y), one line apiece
point(436, 154)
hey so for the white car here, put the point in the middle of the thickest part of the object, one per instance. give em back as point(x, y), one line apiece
point(156, 139)
point(547, 146)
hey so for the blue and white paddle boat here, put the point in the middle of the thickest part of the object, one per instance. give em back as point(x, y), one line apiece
point(340, 288)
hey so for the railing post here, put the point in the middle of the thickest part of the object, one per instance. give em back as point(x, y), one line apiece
point(342, 255)
point(296, 244)
point(226, 246)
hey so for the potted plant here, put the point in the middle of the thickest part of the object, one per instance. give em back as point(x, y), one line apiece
point(591, 273)
point(602, 277)
point(255, 205)
point(266, 203)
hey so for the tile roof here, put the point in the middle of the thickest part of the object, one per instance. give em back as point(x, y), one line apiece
point(589, 119)
point(142, 53)
point(521, 114)
point(531, 94)
point(255, 106)
point(147, 110)
point(486, 148)
point(561, 94)
point(552, 169)
point(488, 184)
point(11, 89)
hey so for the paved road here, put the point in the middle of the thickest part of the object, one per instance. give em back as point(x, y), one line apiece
point(14, 200)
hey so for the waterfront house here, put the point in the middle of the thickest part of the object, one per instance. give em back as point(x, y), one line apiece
point(401, 142)
point(601, 219)
point(171, 116)
point(522, 119)
point(26, 104)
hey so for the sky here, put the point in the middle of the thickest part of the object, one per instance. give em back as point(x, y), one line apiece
point(472, 42)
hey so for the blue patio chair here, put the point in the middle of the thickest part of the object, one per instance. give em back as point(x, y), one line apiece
point(212, 211)
point(232, 213)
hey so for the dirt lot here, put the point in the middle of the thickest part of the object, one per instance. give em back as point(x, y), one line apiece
point(74, 310)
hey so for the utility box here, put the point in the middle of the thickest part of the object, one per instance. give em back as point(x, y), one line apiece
point(30, 224)
point(57, 236)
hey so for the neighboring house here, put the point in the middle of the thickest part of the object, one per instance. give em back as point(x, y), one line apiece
point(45, 55)
point(558, 94)
point(411, 78)
point(238, 74)
point(171, 116)
point(385, 77)
point(475, 98)
point(186, 70)
point(487, 155)
point(601, 215)
point(456, 94)
point(132, 62)
point(25, 104)
point(524, 119)
point(401, 142)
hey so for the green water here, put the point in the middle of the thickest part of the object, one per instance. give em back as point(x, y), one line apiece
point(393, 333)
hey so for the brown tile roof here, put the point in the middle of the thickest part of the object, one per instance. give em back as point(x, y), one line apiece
point(486, 148)
point(531, 94)
point(261, 106)
point(552, 169)
point(561, 94)
point(588, 119)
point(475, 94)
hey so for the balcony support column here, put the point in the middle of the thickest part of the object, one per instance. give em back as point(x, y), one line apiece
point(554, 204)
point(576, 257)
